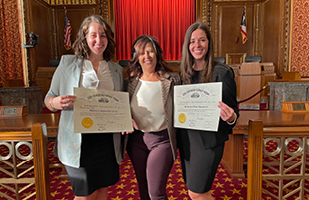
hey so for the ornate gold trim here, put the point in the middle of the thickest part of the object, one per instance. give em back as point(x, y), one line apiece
point(103, 9)
point(289, 35)
point(70, 2)
point(216, 31)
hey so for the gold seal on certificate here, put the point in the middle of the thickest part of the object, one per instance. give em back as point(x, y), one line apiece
point(101, 111)
point(182, 118)
point(196, 106)
point(87, 122)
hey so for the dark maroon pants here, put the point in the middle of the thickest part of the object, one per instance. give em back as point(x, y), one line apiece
point(152, 159)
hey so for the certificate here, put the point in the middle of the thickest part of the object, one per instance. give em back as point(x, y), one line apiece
point(196, 106)
point(101, 111)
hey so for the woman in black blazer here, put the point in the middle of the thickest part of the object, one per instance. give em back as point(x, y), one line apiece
point(201, 151)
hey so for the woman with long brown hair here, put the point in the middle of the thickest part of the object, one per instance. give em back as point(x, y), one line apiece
point(201, 151)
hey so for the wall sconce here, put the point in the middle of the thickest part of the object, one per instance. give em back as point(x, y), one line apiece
point(33, 40)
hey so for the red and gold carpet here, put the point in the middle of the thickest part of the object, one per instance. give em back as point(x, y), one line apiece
point(224, 187)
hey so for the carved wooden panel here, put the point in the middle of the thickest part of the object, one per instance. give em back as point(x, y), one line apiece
point(38, 20)
point(270, 30)
point(226, 18)
point(76, 15)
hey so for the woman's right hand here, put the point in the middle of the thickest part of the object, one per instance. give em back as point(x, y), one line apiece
point(62, 102)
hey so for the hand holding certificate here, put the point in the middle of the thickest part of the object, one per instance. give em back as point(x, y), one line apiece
point(101, 111)
point(196, 106)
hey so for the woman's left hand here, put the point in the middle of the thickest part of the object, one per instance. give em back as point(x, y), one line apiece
point(226, 113)
point(135, 127)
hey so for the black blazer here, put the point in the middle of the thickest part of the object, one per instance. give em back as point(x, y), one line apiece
point(225, 74)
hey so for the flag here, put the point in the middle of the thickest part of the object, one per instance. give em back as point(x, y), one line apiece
point(67, 32)
point(244, 27)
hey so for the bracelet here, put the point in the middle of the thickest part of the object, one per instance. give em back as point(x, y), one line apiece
point(233, 122)
point(51, 104)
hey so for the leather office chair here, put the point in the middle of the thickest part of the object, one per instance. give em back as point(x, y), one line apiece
point(123, 63)
point(221, 59)
point(253, 59)
point(54, 63)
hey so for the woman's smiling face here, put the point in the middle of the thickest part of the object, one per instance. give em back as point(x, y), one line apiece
point(148, 58)
point(96, 39)
point(198, 44)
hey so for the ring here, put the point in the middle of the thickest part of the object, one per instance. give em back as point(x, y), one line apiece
point(65, 106)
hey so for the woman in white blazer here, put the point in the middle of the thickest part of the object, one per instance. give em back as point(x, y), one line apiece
point(91, 160)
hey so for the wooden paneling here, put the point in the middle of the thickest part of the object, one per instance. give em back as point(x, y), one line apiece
point(76, 14)
point(47, 21)
point(38, 20)
point(265, 29)
point(271, 32)
point(226, 18)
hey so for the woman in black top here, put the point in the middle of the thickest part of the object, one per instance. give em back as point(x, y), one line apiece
point(201, 151)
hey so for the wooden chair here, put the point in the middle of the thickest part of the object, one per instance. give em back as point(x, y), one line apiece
point(282, 162)
point(18, 166)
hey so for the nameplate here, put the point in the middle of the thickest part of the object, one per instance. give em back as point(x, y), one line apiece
point(13, 111)
point(295, 106)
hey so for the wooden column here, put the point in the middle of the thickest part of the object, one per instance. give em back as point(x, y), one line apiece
point(233, 156)
point(255, 160)
point(41, 167)
point(250, 83)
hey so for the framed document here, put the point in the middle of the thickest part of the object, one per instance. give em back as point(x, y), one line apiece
point(196, 106)
point(13, 111)
point(101, 111)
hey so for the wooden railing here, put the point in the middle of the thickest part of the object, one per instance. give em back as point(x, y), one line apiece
point(17, 167)
point(282, 162)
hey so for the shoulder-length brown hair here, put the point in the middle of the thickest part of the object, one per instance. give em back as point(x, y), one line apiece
point(80, 46)
point(187, 60)
point(134, 68)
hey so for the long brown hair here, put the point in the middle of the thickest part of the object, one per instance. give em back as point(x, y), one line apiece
point(187, 60)
point(80, 45)
point(134, 68)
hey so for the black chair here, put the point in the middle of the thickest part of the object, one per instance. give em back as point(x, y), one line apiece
point(123, 63)
point(253, 59)
point(54, 62)
point(221, 59)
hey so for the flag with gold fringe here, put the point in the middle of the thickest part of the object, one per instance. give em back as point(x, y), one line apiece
point(67, 32)
point(243, 27)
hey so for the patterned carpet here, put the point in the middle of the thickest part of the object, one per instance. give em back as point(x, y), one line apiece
point(224, 187)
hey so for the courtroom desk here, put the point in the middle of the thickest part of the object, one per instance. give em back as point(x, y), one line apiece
point(233, 154)
point(14, 124)
point(29, 96)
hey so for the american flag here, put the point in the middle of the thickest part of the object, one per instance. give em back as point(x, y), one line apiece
point(67, 32)
point(244, 27)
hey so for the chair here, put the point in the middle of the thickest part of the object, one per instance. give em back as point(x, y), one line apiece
point(18, 168)
point(221, 59)
point(123, 63)
point(253, 59)
point(54, 62)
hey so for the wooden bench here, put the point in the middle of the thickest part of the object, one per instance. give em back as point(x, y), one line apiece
point(36, 160)
point(282, 162)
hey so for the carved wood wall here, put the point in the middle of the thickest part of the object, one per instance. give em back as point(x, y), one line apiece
point(267, 27)
point(46, 19)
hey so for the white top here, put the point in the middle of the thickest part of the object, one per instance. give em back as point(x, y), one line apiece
point(147, 107)
point(92, 80)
